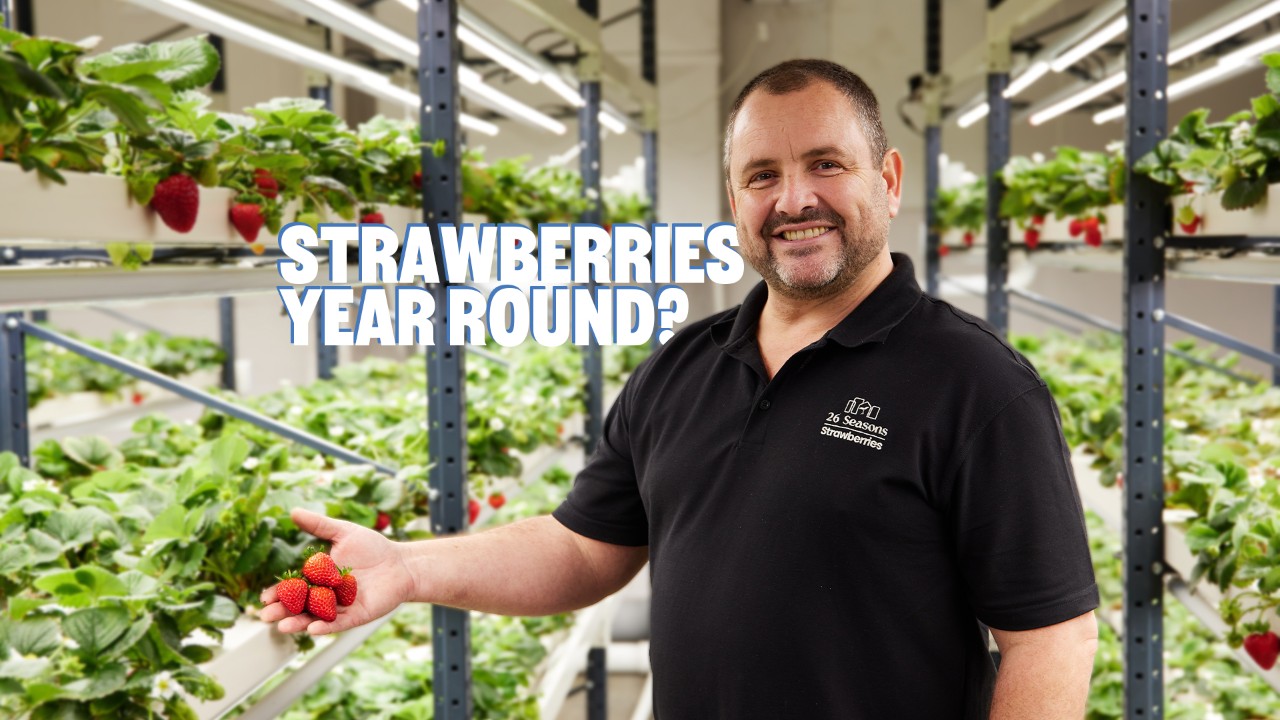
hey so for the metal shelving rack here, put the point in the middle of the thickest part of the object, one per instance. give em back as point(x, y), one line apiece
point(439, 58)
point(1147, 237)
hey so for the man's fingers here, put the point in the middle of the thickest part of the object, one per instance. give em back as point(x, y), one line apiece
point(273, 612)
point(268, 596)
point(325, 528)
point(294, 624)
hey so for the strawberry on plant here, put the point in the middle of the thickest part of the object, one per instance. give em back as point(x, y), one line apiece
point(320, 569)
point(1075, 227)
point(136, 398)
point(943, 251)
point(292, 592)
point(1264, 648)
point(268, 186)
point(1031, 236)
point(177, 201)
point(346, 589)
point(322, 603)
point(968, 239)
point(1037, 219)
point(417, 180)
point(1090, 223)
point(497, 500)
point(383, 522)
point(247, 219)
point(372, 217)
point(1188, 220)
point(473, 511)
point(1093, 237)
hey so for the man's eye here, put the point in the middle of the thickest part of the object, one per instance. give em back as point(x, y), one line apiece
point(828, 165)
point(761, 177)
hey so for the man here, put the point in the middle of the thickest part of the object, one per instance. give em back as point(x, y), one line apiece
point(839, 485)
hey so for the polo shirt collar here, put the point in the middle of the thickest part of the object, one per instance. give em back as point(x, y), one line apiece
point(872, 321)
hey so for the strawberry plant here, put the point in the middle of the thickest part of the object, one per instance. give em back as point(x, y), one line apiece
point(963, 207)
point(1238, 156)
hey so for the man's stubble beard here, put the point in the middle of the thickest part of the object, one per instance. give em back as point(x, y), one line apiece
point(858, 249)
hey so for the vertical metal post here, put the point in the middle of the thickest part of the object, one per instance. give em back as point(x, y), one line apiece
point(597, 685)
point(1145, 230)
point(589, 164)
point(997, 227)
point(1275, 335)
point(227, 336)
point(592, 358)
point(438, 56)
point(6, 13)
point(649, 71)
point(932, 140)
point(15, 435)
point(320, 87)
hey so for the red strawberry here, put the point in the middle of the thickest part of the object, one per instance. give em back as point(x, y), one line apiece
point(968, 239)
point(1075, 227)
point(247, 217)
point(177, 201)
point(322, 603)
point(267, 185)
point(497, 500)
point(291, 591)
point(136, 398)
point(1093, 237)
point(1263, 648)
point(1191, 227)
point(321, 570)
point(373, 218)
point(1031, 237)
point(1037, 219)
point(473, 511)
point(417, 180)
point(1188, 186)
point(943, 250)
point(383, 522)
point(346, 590)
point(1090, 223)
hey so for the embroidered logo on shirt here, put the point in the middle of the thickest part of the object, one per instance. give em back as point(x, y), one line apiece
point(852, 424)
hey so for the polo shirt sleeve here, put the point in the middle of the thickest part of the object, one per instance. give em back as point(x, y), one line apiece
point(1018, 521)
point(605, 502)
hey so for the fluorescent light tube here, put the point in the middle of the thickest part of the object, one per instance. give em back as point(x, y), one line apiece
point(558, 85)
point(1028, 76)
point(1089, 44)
point(1217, 35)
point(355, 24)
point(614, 125)
point(473, 40)
point(503, 102)
point(346, 72)
point(973, 116)
point(1102, 86)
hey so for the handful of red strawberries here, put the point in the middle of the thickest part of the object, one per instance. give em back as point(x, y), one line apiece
point(320, 589)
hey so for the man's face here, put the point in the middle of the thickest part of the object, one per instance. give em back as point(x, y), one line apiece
point(811, 205)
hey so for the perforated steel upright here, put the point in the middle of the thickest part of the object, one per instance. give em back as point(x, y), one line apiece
point(649, 71)
point(438, 57)
point(1146, 226)
point(14, 432)
point(932, 140)
point(997, 156)
point(589, 166)
point(326, 355)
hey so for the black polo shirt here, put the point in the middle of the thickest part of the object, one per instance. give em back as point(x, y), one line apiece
point(825, 544)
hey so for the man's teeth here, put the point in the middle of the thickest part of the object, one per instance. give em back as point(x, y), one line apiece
point(804, 234)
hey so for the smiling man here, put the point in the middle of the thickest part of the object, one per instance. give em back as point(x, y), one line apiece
point(839, 485)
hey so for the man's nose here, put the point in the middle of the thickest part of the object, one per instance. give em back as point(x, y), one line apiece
point(797, 194)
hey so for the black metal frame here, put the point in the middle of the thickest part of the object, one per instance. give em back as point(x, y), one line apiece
point(998, 143)
point(15, 434)
point(932, 142)
point(227, 336)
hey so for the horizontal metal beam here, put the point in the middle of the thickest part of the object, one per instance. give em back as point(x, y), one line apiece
point(1222, 242)
point(1204, 331)
point(146, 374)
point(566, 19)
point(1069, 312)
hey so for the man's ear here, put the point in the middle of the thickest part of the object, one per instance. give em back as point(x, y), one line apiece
point(891, 171)
point(733, 204)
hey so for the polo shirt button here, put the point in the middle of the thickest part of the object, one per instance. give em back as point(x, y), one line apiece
point(764, 404)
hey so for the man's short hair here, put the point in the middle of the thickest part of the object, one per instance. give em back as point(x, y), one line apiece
point(795, 75)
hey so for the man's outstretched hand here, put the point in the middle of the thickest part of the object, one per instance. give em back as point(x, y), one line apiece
point(378, 564)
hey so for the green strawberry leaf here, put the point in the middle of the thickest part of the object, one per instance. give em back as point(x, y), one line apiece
point(182, 64)
point(94, 629)
point(1244, 193)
